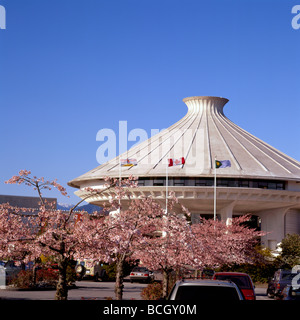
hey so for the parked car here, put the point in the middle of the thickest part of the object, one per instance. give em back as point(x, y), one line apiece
point(280, 279)
point(11, 270)
point(89, 269)
point(242, 280)
point(140, 274)
point(289, 292)
point(205, 290)
point(52, 267)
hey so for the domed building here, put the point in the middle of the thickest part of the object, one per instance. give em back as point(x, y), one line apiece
point(260, 180)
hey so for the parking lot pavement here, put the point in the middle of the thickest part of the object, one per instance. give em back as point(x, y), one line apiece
point(86, 290)
point(89, 290)
point(105, 290)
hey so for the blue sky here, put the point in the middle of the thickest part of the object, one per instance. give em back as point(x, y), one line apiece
point(70, 68)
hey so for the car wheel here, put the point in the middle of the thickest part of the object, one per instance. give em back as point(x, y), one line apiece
point(79, 269)
point(270, 295)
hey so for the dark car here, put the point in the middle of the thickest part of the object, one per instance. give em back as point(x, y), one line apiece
point(290, 293)
point(242, 280)
point(281, 279)
point(205, 290)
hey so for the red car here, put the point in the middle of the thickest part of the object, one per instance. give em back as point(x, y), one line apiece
point(242, 280)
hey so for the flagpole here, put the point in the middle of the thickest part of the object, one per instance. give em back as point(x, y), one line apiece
point(167, 182)
point(215, 191)
point(120, 173)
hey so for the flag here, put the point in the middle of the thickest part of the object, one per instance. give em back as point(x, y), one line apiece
point(223, 163)
point(128, 162)
point(176, 162)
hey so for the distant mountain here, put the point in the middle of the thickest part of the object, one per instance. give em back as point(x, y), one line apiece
point(64, 206)
point(89, 208)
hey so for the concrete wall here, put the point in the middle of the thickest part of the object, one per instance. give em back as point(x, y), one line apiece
point(293, 186)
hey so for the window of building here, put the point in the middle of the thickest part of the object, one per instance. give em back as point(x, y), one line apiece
point(179, 182)
point(141, 183)
point(158, 182)
point(244, 184)
point(209, 182)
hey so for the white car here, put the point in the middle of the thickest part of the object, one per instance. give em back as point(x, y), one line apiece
point(205, 290)
point(11, 270)
point(140, 274)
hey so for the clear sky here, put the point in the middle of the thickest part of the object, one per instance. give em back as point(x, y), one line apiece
point(69, 68)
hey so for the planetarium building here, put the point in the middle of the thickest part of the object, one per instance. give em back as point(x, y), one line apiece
point(260, 180)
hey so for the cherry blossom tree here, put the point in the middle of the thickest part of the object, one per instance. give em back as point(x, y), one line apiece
point(127, 230)
point(11, 230)
point(206, 244)
point(49, 232)
point(171, 249)
point(218, 243)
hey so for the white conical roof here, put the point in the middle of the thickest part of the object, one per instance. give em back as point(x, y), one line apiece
point(201, 135)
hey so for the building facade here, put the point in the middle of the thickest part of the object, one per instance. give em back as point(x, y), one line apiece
point(25, 201)
point(261, 180)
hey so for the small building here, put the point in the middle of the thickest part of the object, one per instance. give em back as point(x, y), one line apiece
point(25, 202)
point(261, 180)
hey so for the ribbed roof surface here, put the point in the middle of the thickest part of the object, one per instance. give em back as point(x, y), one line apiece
point(203, 133)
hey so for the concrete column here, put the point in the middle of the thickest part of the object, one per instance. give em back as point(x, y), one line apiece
point(226, 213)
point(272, 221)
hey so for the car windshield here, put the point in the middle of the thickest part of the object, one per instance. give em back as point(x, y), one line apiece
point(10, 264)
point(242, 282)
point(206, 293)
point(288, 276)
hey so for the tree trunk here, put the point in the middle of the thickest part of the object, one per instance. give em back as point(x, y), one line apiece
point(34, 269)
point(62, 287)
point(166, 277)
point(119, 279)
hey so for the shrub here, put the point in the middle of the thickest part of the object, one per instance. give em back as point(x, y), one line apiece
point(23, 280)
point(259, 272)
point(290, 254)
point(46, 277)
point(152, 292)
point(110, 269)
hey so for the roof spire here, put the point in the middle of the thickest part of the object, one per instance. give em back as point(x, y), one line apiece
point(205, 103)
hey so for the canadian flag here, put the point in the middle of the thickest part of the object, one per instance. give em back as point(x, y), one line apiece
point(176, 162)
